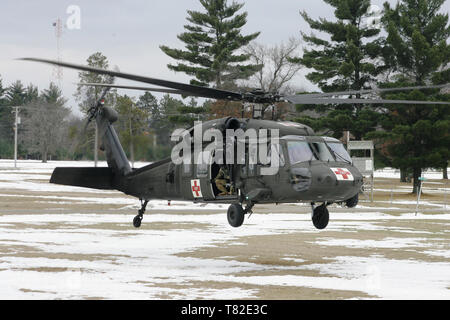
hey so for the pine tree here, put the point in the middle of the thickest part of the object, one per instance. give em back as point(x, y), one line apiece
point(164, 124)
point(53, 95)
point(213, 40)
point(2, 102)
point(345, 61)
point(417, 136)
point(88, 95)
point(5, 146)
point(15, 95)
point(132, 125)
point(187, 114)
point(2, 92)
point(149, 103)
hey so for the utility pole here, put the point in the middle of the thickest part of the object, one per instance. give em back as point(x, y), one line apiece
point(16, 125)
point(96, 145)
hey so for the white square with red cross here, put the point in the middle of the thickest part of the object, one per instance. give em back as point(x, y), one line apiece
point(342, 174)
point(196, 189)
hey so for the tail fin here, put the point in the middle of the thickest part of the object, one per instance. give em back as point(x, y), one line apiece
point(99, 178)
point(115, 156)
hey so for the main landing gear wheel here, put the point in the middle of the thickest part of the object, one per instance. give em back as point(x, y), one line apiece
point(235, 215)
point(320, 217)
point(138, 219)
point(352, 202)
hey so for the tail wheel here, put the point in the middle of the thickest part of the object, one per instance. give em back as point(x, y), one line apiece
point(235, 215)
point(320, 217)
point(137, 221)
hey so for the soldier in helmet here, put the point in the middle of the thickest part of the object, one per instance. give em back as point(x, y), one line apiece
point(221, 180)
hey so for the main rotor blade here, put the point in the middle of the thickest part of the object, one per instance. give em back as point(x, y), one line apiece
point(118, 86)
point(187, 89)
point(196, 90)
point(352, 92)
point(299, 99)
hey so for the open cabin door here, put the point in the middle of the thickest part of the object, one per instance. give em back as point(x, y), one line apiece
point(201, 184)
point(206, 176)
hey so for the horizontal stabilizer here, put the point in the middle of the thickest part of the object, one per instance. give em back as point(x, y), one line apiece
point(94, 178)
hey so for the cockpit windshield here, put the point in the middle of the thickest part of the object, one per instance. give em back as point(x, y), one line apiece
point(339, 151)
point(321, 150)
point(302, 151)
point(329, 151)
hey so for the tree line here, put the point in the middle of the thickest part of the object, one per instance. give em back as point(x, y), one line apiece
point(406, 46)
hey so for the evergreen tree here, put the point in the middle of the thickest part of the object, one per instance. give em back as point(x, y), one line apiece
point(417, 136)
point(132, 126)
point(187, 114)
point(345, 60)
point(88, 95)
point(32, 93)
point(168, 107)
point(15, 95)
point(213, 40)
point(53, 95)
point(149, 103)
point(2, 101)
point(2, 93)
point(5, 145)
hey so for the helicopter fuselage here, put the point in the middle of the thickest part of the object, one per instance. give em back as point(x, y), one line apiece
point(311, 169)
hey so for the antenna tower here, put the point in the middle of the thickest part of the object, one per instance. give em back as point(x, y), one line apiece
point(58, 72)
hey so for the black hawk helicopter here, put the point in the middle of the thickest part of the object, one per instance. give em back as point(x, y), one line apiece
point(312, 168)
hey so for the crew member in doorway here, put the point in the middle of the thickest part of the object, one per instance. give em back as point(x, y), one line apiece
point(222, 179)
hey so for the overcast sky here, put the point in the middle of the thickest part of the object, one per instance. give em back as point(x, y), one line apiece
point(129, 34)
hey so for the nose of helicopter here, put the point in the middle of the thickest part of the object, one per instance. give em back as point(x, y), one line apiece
point(336, 182)
point(328, 182)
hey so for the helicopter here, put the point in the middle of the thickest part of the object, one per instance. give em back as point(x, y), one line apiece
point(309, 168)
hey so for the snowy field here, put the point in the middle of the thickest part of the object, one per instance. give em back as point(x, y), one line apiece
point(59, 242)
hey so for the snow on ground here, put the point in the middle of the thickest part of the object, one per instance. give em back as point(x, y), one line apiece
point(138, 264)
point(395, 173)
point(75, 256)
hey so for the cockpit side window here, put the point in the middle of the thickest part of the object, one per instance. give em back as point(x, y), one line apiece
point(278, 153)
point(300, 151)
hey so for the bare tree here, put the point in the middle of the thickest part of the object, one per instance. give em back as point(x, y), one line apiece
point(278, 67)
point(44, 124)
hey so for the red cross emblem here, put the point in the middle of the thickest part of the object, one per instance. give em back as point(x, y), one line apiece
point(196, 190)
point(342, 174)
